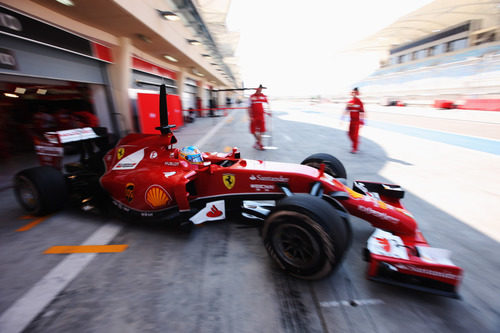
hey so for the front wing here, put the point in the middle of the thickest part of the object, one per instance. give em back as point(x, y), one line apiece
point(424, 268)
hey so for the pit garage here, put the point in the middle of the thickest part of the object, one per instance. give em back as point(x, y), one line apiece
point(49, 79)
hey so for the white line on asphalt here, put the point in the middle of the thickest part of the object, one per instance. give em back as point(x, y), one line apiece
point(25, 309)
point(20, 314)
point(351, 303)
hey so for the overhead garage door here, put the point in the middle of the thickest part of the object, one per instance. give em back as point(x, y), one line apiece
point(36, 60)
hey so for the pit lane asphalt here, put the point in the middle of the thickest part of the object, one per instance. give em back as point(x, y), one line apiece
point(219, 278)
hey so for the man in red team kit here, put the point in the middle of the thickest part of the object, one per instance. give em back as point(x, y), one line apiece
point(257, 114)
point(356, 111)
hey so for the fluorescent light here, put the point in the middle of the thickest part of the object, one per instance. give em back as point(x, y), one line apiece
point(11, 95)
point(66, 2)
point(20, 90)
point(41, 91)
point(171, 16)
point(195, 71)
point(193, 42)
point(169, 57)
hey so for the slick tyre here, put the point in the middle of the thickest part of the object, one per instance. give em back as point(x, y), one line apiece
point(305, 236)
point(41, 190)
point(333, 166)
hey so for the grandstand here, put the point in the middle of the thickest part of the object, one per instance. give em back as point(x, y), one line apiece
point(458, 62)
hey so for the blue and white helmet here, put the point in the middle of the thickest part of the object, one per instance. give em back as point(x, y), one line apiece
point(191, 154)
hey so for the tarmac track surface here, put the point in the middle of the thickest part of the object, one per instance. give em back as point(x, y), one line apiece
point(219, 277)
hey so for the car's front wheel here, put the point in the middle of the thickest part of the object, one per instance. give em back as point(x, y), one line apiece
point(333, 166)
point(305, 236)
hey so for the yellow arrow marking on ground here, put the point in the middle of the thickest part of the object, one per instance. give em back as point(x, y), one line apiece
point(32, 224)
point(86, 249)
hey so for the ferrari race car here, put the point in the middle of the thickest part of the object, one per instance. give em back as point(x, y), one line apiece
point(302, 209)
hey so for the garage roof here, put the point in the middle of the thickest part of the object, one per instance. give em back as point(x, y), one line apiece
point(429, 19)
point(155, 36)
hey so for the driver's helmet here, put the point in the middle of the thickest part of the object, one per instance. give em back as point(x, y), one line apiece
point(191, 154)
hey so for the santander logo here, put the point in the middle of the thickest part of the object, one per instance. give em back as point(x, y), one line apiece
point(385, 244)
point(214, 212)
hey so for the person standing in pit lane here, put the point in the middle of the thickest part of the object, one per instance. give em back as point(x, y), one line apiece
point(356, 111)
point(257, 116)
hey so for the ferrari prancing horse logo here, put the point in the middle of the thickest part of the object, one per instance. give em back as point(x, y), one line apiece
point(229, 180)
point(120, 153)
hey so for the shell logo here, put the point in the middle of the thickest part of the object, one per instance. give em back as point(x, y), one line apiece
point(156, 196)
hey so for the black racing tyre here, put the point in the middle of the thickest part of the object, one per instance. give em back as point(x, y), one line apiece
point(333, 166)
point(41, 190)
point(306, 236)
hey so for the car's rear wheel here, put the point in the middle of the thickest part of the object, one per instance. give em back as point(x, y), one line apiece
point(333, 166)
point(40, 190)
point(305, 236)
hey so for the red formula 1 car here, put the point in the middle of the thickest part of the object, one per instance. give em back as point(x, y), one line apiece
point(303, 210)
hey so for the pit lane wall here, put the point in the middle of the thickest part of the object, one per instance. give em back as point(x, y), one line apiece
point(470, 104)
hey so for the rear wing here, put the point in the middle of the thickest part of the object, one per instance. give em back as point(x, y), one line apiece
point(71, 135)
point(50, 146)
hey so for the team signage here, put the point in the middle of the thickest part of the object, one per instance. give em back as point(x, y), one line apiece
point(15, 24)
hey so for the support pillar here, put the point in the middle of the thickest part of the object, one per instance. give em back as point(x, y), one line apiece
point(120, 75)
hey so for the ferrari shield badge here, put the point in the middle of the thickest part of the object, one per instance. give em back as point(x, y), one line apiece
point(120, 153)
point(229, 180)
